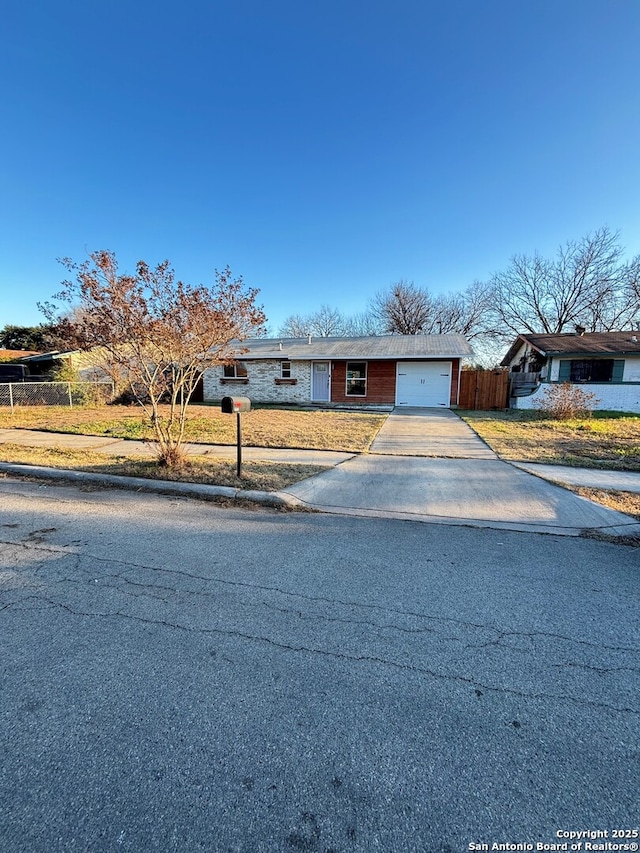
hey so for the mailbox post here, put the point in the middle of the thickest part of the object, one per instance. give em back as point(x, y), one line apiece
point(238, 405)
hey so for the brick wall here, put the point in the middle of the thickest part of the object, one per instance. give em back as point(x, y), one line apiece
point(261, 385)
point(618, 397)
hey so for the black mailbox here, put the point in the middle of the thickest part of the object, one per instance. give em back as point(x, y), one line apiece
point(235, 404)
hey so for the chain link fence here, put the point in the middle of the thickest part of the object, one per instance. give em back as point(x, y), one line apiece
point(54, 393)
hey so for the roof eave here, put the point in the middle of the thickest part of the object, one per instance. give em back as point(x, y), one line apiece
point(356, 356)
point(515, 346)
point(591, 353)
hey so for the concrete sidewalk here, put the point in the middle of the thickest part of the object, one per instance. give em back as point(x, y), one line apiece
point(474, 492)
point(425, 465)
point(592, 478)
point(126, 447)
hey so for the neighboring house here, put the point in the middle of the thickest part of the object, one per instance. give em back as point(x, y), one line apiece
point(10, 369)
point(607, 362)
point(391, 370)
point(87, 364)
point(15, 354)
point(42, 364)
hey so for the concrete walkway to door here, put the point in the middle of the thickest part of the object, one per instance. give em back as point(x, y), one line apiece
point(428, 465)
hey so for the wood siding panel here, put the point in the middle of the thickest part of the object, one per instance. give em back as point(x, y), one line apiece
point(455, 375)
point(381, 382)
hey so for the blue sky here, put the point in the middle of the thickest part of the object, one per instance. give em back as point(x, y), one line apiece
point(322, 149)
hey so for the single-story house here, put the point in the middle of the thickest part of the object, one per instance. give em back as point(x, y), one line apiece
point(15, 354)
point(42, 364)
point(394, 370)
point(607, 362)
point(10, 369)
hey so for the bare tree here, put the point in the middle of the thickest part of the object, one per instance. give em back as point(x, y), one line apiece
point(632, 293)
point(520, 296)
point(362, 325)
point(475, 322)
point(157, 333)
point(329, 322)
point(295, 326)
point(622, 309)
point(587, 283)
point(404, 309)
point(408, 310)
point(466, 312)
point(326, 322)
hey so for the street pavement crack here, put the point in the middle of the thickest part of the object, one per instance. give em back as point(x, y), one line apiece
point(601, 670)
point(344, 656)
point(212, 579)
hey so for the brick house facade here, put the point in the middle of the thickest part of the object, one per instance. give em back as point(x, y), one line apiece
point(411, 370)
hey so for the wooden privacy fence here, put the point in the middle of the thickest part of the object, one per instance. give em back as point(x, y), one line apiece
point(484, 389)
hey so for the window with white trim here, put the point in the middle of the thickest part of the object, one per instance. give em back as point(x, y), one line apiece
point(356, 379)
point(285, 370)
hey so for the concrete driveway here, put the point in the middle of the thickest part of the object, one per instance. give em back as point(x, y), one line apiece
point(429, 432)
point(428, 465)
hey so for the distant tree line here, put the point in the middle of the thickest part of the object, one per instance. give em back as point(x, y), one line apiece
point(35, 338)
point(587, 284)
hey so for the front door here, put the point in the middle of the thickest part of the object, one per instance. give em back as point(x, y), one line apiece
point(321, 381)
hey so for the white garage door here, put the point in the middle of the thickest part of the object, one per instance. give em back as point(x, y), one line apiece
point(423, 383)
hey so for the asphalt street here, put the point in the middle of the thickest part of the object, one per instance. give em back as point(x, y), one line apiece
point(180, 677)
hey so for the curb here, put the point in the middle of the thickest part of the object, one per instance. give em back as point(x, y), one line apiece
point(162, 487)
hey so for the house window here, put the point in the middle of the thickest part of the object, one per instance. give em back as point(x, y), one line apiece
point(356, 379)
point(236, 370)
point(587, 370)
point(285, 370)
point(591, 370)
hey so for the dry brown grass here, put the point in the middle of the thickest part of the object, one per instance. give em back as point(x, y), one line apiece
point(261, 476)
point(627, 502)
point(606, 440)
point(262, 427)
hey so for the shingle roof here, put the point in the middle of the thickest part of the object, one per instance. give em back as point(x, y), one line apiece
point(590, 343)
point(370, 348)
point(16, 353)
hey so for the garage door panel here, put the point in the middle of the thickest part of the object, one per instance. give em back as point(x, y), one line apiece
point(423, 383)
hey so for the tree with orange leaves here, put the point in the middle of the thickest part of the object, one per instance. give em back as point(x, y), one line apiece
point(156, 334)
